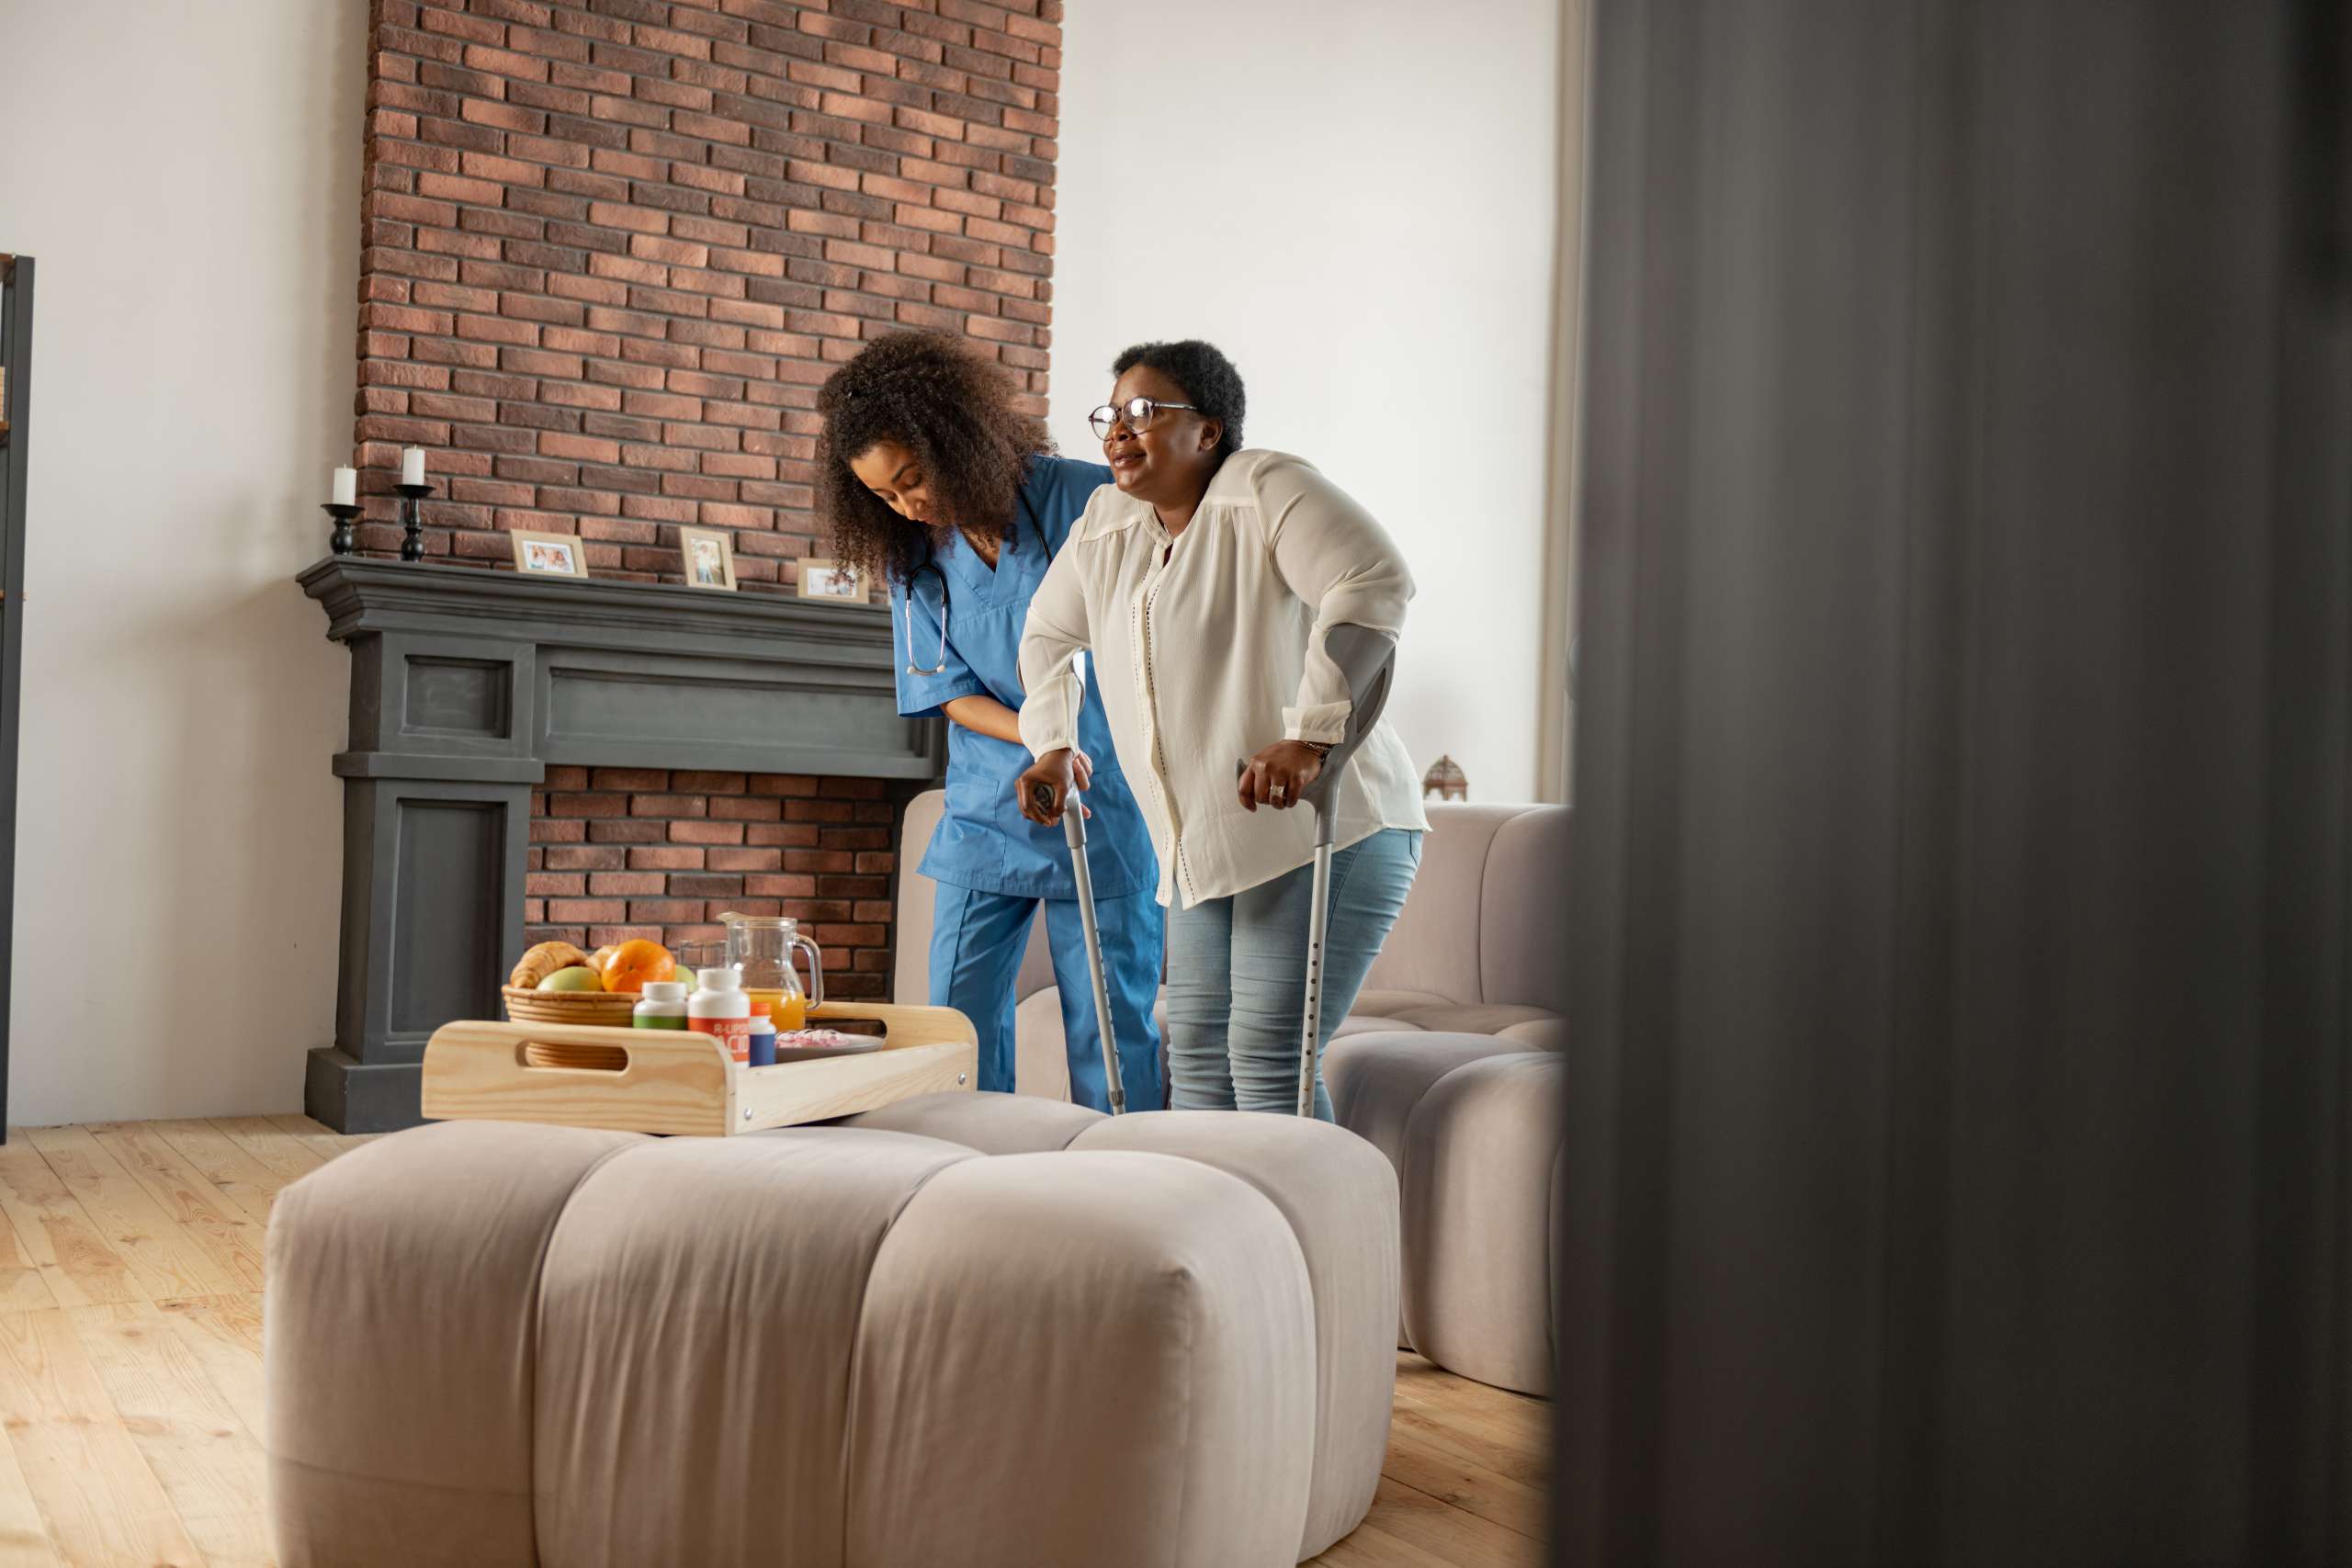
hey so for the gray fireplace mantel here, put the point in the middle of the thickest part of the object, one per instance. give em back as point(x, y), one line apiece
point(466, 684)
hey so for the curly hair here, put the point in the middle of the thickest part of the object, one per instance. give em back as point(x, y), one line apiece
point(1211, 383)
point(955, 411)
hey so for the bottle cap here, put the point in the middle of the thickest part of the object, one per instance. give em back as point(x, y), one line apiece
point(762, 1008)
point(723, 978)
point(665, 990)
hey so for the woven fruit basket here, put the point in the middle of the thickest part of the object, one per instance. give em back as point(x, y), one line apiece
point(605, 1009)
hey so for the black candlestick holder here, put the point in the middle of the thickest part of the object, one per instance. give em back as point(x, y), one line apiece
point(413, 520)
point(340, 541)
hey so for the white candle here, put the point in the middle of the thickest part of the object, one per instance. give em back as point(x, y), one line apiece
point(346, 487)
point(413, 466)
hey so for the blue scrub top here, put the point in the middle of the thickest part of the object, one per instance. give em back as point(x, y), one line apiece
point(985, 843)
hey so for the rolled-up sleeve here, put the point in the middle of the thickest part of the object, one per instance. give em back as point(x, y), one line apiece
point(1342, 564)
point(1051, 639)
point(922, 695)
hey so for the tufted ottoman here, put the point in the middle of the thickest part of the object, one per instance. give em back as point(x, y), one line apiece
point(964, 1329)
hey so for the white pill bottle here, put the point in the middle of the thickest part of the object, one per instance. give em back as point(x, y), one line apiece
point(720, 1009)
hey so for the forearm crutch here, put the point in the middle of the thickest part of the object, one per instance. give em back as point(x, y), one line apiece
point(1368, 660)
point(1074, 829)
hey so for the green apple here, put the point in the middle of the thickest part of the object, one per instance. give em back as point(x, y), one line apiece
point(576, 978)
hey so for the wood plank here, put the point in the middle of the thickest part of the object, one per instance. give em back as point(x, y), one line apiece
point(1370, 1547)
point(22, 1289)
point(1419, 1377)
point(12, 1251)
point(223, 1333)
point(1428, 1461)
point(279, 1150)
point(1473, 1439)
point(74, 1262)
point(198, 1447)
point(101, 1503)
point(1492, 1429)
point(319, 1138)
point(24, 1534)
point(209, 1216)
point(221, 1160)
point(243, 1541)
point(1454, 1536)
point(162, 1257)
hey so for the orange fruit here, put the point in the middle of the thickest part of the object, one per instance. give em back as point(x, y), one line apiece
point(637, 963)
point(602, 956)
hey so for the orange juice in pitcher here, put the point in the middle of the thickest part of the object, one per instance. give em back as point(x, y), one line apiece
point(761, 948)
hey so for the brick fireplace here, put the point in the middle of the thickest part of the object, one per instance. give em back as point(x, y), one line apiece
point(621, 853)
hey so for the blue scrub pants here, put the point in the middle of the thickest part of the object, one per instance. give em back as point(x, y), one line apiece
point(977, 940)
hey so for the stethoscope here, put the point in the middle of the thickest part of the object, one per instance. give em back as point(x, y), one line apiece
point(930, 565)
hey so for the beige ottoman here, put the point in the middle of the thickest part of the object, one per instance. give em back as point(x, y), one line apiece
point(967, 1330)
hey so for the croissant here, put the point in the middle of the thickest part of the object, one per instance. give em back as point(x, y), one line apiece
point(543, 960)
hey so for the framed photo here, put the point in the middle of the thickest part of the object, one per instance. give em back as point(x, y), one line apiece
point(709, 554)
point(837, 580)
point(549, 555)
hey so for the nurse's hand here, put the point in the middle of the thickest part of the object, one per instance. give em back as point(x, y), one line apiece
point(1044, 786)
point(1276, 775)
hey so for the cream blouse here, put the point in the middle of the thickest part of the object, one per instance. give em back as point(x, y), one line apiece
point(1208, 648)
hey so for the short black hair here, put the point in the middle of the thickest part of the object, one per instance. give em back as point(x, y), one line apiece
point(1211, 383)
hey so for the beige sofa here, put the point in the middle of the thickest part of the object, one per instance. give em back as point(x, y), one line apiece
point(1449, 1064)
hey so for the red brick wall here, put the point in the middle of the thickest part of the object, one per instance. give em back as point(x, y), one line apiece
point(621, 853)
point(611, 249)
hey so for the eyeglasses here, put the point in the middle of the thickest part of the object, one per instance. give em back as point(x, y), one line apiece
point(1138, 412)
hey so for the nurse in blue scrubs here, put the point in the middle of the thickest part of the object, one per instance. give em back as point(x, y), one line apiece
point(938, 483)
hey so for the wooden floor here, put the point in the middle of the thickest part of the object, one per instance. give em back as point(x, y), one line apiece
point(131, 1402)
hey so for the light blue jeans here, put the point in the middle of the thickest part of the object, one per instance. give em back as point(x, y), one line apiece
point(1237, 976)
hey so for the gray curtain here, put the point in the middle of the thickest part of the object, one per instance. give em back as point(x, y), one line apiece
point(1960, 1133)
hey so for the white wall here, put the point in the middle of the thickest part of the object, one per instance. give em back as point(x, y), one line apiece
point(187, 177)
point(1357, 204)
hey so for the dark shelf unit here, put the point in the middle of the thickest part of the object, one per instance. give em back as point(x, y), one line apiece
point(15, 417)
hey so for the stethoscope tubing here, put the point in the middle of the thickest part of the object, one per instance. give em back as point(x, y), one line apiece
point(930, 565)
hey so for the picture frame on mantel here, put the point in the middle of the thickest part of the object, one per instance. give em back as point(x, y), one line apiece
point(836, 580)
point(708, 558)
point(549, 555)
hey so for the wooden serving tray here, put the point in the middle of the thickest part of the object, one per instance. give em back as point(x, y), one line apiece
point(658, 1080)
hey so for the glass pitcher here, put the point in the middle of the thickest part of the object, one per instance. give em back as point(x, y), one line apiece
point(761, 949)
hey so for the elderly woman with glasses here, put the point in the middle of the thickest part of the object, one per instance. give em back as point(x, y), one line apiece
point(938, 482)
point(1204, 585)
